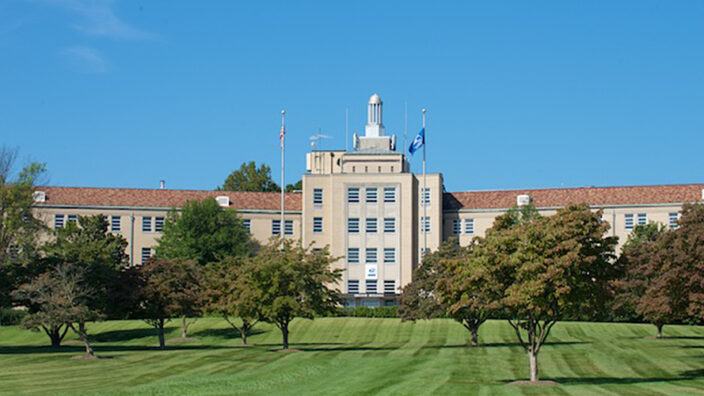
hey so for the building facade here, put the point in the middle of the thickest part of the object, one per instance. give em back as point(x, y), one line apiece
point(367, 206)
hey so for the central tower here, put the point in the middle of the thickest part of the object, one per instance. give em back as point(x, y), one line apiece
point(374, 138)
point(375, 127)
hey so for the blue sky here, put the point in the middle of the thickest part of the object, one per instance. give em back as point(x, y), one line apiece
point(519, 94)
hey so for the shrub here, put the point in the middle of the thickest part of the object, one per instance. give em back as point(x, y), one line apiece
point(11, 317)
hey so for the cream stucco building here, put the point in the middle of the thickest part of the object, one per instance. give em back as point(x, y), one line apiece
point(366, 206)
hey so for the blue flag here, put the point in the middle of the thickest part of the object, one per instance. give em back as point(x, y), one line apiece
point(417, 142)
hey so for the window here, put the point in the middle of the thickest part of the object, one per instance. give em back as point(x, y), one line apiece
point(425, 196)
point(146, 224)
point(469, 226)
point(389, 255)
point(371, 255)
point(72, 218)
point(353, 286)
point(390, 286)
point(371, 224)
point(353, 255)
point(247, 223)
point(674, 218)
point(353, 224)
point(353, 195)
point(317, 196)
point(58, 221)
point(317, 224)
point(642, 219)
point(425, 224)
point(371, 286)
point(389, 224)
point(115, 223)
point(146, 254)
point(628, 221)
point(288, 227)
point(389, 194)
point(423, 252)
point(275, 227)
point(158, 224)
point(456, 226)
point(371, 196)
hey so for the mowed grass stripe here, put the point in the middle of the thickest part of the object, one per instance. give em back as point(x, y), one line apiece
point(357, 356)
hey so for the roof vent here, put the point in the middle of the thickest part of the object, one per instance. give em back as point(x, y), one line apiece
point(523, 200)
point(39, 196)
point(162, 184)
point(223, 201)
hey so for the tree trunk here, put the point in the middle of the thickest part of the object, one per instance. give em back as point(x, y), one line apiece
point(475, 336)
point(55, 335)
point(284, 332)
point(160, 330)
point(184, 327)
point(659, 326)
point(244, 330)
point(533, 357)
point(83, 335)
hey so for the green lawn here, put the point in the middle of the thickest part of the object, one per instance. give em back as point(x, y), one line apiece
point(357, 356)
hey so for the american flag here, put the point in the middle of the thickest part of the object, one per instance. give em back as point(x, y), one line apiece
point(281, 135)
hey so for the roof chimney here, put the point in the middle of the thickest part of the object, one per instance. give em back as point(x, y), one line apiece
point(162, 185)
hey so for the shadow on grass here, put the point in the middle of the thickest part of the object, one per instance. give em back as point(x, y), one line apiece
point(320, 347)
point(688, 375)
point(30, 349)
point(227, 334)
point(126, 335)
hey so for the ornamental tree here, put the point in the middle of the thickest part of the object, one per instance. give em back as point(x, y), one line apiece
point(292, 281)
point(650, 284)
point(166, 289)
point(205, 232)
point(62, 300)
point(231, 293)
point(551, 268)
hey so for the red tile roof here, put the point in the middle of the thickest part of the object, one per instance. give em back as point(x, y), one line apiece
point(558, 197)
point(133, 197)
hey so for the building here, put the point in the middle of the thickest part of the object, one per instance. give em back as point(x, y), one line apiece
point(367, 206)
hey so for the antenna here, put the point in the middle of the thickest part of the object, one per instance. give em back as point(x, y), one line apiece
point(405, 126)
point(347, 129)
point(315, 139)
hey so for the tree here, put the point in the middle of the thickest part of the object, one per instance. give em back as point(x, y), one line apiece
point(648, 284)
point(98, 255)
point(205, 232)
point(250, 178)
point(293, 282)
point(167, 289)
point(19, 228)
point(230, 292)
point(298, 186)
point(466, 289)
point(62, 296)
point(446, 284)
point(687, 250)
point(551, 268)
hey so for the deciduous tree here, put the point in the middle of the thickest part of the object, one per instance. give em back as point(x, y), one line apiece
point(250, 178)
point(62, 299)
point(230, 292)
point(293, 282)
point(205, 232)
point(166, 289)
point(552, 268)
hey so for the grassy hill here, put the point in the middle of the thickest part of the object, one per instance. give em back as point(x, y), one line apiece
point(357, 356)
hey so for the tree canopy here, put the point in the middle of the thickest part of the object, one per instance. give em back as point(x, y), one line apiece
point(249, 177)
point(205, 232)
point(293, 282)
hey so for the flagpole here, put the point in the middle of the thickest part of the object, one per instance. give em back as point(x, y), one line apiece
point(282, 229)
point(425, 204)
